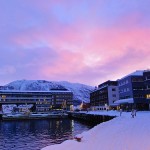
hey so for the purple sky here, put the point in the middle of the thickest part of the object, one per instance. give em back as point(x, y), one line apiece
point(86, 41)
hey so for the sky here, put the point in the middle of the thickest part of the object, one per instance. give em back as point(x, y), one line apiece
point(81, 41)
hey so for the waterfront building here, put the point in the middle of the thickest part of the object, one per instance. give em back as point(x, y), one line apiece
point(146, 76)
point(132, 90)
point(41, 100)
point(104, 96)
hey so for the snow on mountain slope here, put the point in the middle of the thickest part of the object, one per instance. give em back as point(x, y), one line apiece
point(81, 92)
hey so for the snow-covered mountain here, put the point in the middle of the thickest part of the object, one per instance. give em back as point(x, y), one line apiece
point(81, 92)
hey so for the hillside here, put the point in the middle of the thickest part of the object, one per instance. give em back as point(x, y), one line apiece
point(81, 92)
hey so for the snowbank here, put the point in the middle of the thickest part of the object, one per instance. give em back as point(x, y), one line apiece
point(121, 133)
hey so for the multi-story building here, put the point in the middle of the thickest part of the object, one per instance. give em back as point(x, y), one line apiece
point(146, 75)
point(105, 95)
point(42, 100)
point(132, 91)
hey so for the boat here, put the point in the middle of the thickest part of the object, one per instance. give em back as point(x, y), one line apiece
point(24, 116)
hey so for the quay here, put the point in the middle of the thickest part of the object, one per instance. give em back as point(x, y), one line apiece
point(82, 116)
point(90, 118)
point(120, 133)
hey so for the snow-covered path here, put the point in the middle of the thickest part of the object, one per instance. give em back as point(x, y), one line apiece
point(121, 133)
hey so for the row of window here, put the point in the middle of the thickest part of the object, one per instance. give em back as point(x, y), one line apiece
point(124, 90)
point(100, 97)
point(114, 95)
point(133, 80)
point(104, 97)
point(98, 92)
point(147, 77)
point(139, 96)
point(137, 80)
point(63, 96)
point(125, 97)
point(123, 83)
point(138, 88)
point(100, 103)
point(136, 96)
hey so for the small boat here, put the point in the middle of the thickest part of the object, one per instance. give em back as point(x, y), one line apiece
point(24, 116)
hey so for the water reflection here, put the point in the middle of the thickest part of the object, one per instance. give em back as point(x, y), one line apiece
point(36, 134)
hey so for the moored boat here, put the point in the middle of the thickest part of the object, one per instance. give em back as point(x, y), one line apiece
point(19, 116)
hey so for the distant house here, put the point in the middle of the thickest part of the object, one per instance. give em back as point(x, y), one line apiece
point(104, 96)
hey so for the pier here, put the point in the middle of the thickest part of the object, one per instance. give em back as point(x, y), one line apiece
point(90, 118)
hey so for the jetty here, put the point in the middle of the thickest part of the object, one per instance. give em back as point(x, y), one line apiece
point(90, 118)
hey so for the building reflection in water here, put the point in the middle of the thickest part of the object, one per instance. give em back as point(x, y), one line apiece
point(36, 134)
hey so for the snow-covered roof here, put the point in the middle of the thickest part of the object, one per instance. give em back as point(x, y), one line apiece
point(122, 101)
point(25, 106)
point(51, 91)
point(114, 104)
point(136, 73)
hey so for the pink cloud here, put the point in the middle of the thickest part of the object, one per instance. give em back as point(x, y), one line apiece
point(89, 50)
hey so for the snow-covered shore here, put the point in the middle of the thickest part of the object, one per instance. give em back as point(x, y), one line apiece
point(121, 133)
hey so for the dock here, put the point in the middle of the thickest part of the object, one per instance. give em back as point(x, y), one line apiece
point(90, 118)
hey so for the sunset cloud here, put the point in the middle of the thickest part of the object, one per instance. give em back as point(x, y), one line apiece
point(79, 41)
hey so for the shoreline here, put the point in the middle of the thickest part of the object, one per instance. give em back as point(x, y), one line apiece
point(113, 135)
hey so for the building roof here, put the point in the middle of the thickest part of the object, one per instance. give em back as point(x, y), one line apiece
point(18, 91)
point(136, 73)
point(123, 101)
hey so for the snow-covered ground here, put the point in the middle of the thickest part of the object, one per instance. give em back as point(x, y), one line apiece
point(120, 133)
point(108, 113)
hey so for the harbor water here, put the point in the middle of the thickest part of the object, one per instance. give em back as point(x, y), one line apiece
point(36, 134)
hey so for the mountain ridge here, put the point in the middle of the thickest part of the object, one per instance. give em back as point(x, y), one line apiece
point(81, 92)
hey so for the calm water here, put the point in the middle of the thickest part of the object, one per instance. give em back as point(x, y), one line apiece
point(36, 134)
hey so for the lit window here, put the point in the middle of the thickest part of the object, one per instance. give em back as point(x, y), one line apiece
point(148, 96)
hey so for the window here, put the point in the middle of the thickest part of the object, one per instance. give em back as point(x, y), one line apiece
point(148, 86)
point(114, 95)
point(138, 96)
point(147, 77)
point(127, 96)
point(137, 80)
point(148, 96)
point(120, 91)
point(138, 88)
point(113, 89)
